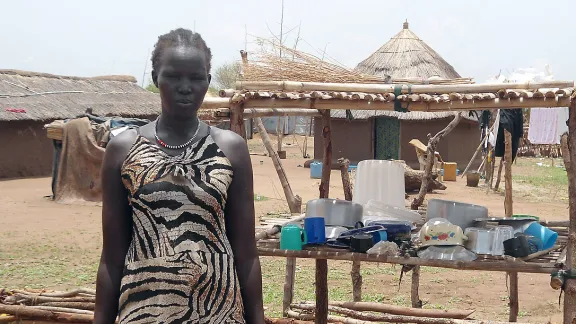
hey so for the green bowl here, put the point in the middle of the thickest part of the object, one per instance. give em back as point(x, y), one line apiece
point(536, 218)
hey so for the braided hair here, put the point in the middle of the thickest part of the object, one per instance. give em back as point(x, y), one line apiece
point(180, 37)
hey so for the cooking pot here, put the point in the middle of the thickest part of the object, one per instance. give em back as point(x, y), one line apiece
point(335, 212)
point(457, 213)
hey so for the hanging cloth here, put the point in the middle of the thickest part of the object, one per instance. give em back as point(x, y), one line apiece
point(562, 122)
point(511, 120)
point(543, 126)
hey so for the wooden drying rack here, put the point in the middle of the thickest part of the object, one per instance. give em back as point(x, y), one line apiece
point(255, 99)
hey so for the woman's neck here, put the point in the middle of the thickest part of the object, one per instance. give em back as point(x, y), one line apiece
point(179, 127)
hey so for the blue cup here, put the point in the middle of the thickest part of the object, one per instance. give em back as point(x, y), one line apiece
point(315, 230)
point(379, 236)
point(546, 235)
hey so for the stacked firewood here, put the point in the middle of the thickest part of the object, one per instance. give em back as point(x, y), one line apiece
point(368, 312)
point(75, 306)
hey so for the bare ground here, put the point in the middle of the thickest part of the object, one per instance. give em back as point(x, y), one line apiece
point(48, 245)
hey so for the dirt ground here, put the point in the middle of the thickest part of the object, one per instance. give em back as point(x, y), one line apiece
point(48, 245)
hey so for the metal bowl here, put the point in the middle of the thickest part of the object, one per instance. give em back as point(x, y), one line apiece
point(335, 212)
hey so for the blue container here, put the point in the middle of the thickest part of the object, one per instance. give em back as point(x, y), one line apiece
point(546, 235)
point(315, 230)
point(379, 236)
point(315, 170)
point(352, 167)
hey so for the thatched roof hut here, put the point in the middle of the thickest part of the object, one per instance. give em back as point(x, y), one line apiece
point(406, 56)
point(29, 100)
point(43, 97)
point(386, 134)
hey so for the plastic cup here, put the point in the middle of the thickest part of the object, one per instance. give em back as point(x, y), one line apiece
point(545, 234)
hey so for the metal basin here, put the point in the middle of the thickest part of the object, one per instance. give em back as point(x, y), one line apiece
point(335, 212)
point(457, 213)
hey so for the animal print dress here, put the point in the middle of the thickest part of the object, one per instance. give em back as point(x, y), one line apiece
point(179, 267)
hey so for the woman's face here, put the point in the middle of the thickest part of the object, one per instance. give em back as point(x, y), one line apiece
point(183, 80)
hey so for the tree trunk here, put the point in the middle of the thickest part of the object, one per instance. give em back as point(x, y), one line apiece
point(570, 285)
point(432, 143)
point(294, 202)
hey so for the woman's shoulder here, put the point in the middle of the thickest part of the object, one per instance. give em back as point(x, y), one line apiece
point(232, 144)
point(119, 147)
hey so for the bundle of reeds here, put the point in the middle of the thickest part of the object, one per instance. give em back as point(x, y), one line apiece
point(274, 61)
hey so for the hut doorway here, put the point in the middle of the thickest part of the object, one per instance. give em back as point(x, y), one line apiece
point(387, 139)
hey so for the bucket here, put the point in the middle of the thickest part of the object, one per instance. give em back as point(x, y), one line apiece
point(316, 170)
point(472, 179)
point(545, 234)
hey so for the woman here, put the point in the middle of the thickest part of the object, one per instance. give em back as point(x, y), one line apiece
point(178, 208)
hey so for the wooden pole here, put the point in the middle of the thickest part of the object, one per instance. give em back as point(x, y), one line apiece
point(478, 149)
point(513, 295)
point(387, 88)
point(499, 176)
point(570, 284)
point(322, 264)
point(415, 286)
point(432, 143)
point(289, 285)
point(344, 165)
point(294, 201)
point(237, 119)
point(421, 105)
point(355, 273)
point(305, 149)
point(508, 173)
point(280, 134)
point(327, 159)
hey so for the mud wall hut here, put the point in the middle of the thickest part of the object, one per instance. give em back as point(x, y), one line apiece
point(29, 100)
point(385, 134)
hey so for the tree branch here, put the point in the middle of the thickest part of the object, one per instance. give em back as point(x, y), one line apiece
point(432, 144)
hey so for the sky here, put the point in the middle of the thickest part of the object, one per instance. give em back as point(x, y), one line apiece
point(478, 38)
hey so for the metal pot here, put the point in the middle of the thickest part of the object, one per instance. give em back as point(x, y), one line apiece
point(457, 213)
point(335, 212)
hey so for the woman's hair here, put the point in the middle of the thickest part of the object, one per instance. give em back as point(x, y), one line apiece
point(180, 37)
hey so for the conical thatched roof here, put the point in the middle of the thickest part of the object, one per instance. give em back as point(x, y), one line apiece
point(406, 56)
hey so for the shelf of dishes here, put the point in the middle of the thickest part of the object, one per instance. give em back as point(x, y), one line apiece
point(452, 230)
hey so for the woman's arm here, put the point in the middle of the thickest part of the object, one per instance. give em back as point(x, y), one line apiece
point(240, 224)
point(116, 230)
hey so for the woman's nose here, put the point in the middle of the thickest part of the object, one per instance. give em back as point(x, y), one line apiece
point(185, 88)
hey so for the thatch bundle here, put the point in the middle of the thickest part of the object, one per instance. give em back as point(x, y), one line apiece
point(273, 61)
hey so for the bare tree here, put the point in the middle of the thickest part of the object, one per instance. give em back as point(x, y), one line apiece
point(226, 75)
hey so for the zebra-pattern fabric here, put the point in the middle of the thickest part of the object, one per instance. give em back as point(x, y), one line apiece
point(179, 267)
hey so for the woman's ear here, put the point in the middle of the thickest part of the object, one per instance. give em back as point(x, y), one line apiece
point(155, 78)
